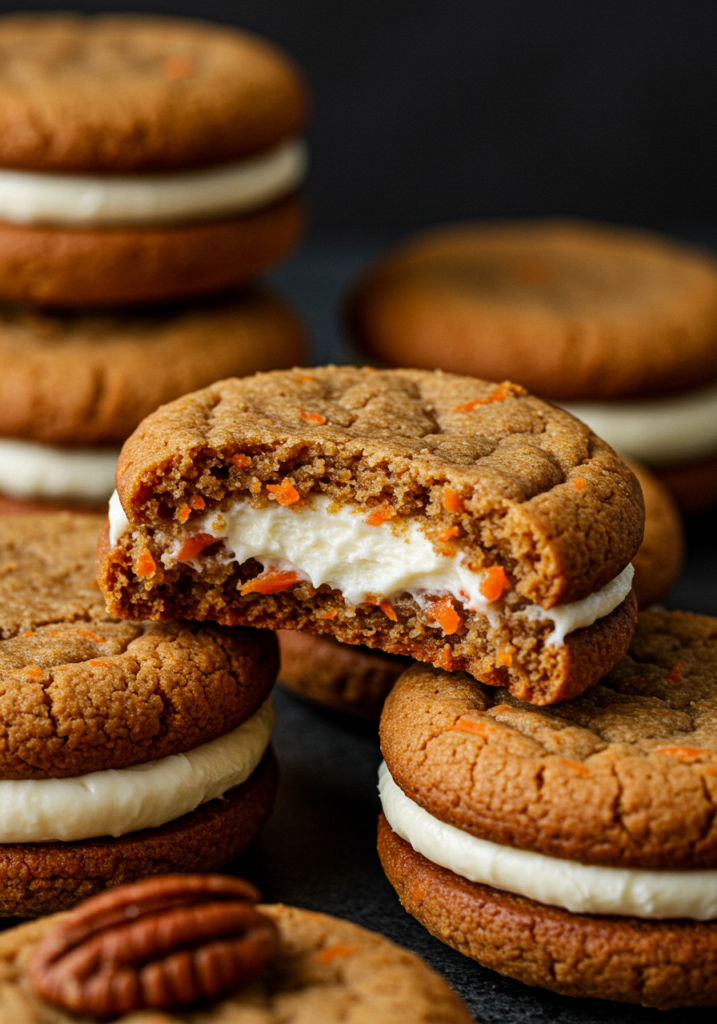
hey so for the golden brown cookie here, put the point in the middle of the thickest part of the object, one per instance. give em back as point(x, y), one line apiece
point(343, 677)
point(659, 560)
point(326, 971)
point(571, 847)
point(500, 508)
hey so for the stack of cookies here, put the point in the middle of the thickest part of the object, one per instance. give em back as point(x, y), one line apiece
point(148, 173)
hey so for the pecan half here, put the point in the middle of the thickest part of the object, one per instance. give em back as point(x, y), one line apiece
point(161, 943)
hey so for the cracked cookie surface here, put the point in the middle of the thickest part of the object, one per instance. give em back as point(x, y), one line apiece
point(624, 775)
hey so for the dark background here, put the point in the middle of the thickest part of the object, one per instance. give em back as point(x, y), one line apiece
point(429, 110)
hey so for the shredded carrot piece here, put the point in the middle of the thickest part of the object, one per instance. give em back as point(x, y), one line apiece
point(184, 513)
point(579, 483)
point(284, 493)
point(241, 460)
point(503, 391)
point(505, 658)
point(33, 670)
point(330, 614)
point(146, 565)
point(193, 545)
point(495, 583)
point(451, 500)
point(675, 673)
point(177, 66)
point(388, 609)
point(100, 663)
point(575, 766)
point(86, 633)
point(449, 534)
point(501, 707)
point(683, 754)
point(445, 659)
point(312, 417)
point(303, 378)
point(271, 582)
point(474, 728)
point(325, 956)
point(445, 615)
point(198, 501)
point(26, 635)
point(380, 515)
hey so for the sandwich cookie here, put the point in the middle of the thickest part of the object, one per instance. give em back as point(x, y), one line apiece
point(128, 748)
point(573, 847)
point(452, 520)
point(658, 562)
point(618, 325)
point(74, 386)
point(143, 159)
point(186, 947)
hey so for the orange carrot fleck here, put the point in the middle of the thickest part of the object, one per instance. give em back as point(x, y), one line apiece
point(495, 584)
point(284, 493)
point(501, 707)
point(474, 728)
point(675, 673)
point(184, 513)
point(503, 391)
point(575, 766)
point(146, 565)
point(241, 460)
point(380, 515)
point(33, 670)
point(198, 501)
point(325, 956)
point(272, 581)
point(446, 615)
point(388, 609)
point(684, 754)
point(312, 417)
point(331, 613)
point(451, 500)
point(176, 67)
point(87, 634)
point(449, 534)
point(29, 634)
point(445, 659)
point(579, 483)
point(505, 658)
point(100, 663)
point(304, 378)
point(193, 545)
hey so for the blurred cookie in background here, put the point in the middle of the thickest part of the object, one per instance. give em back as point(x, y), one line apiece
point(143, 158)
point(617, 325)
point(75, 385)
point(658, 562)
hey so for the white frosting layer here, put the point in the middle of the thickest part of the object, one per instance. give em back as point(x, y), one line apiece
point(30, 470)
point(342, 550)
point(29, 197)
point(658, 431)
point(580, 888)
point(118, 801)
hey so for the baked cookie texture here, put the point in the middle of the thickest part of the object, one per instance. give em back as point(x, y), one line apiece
point(624, 776)
point(658, 562)
point(81, 692)
point(327, 971)
point(572, 310)
point(504, 477)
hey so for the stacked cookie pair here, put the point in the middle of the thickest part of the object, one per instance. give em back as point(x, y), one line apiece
point(149, 171)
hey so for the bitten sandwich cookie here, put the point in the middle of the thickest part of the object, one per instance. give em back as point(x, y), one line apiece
point(619, 325)
point(170, 948)
point(143, 159)
point(572, 847)
point(74, 386)
point(452, 520)
point(128, 748)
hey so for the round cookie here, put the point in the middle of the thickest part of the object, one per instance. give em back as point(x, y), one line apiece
point(659, 560)
point(617, 323)
point(576, 846)
point(325, 970)
point(143, 158)
point(85, 696)
point(352, 679)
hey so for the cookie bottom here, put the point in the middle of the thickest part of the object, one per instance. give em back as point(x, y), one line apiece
point(693, 485)
point(41, 878)
point(352, 679)
point(65, 267)
point(663, 964)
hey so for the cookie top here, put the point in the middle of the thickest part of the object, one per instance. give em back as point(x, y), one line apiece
point(89, 379)
point(327, 971)
point(624, 775)
point(659, 560)
point(81, 691)
point(529, 485)
point(125, 93)
point(571, 310)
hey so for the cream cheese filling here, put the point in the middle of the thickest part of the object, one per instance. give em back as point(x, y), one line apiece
point(31, 470)
point(30, 197)
point(658, 431)
point(340, 549)
point(579, 888)
point(117, 801)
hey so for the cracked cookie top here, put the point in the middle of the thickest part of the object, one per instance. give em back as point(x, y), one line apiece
point(81, 691)
point(510, 477)
point(624, 775)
